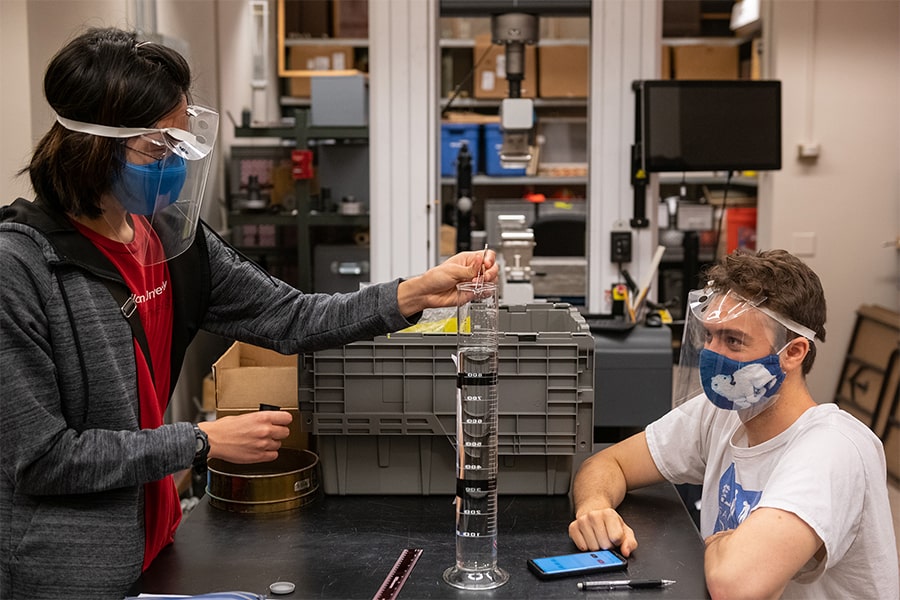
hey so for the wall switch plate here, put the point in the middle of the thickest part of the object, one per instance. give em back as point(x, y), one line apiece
point(620, 246)
point(808, 150)
point(803, 243)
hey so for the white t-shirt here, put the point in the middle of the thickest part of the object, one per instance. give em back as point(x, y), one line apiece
point(827, 468)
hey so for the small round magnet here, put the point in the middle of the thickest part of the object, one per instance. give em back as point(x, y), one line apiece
point(281, 587)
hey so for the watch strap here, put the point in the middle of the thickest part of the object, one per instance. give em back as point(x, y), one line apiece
point(202, 447)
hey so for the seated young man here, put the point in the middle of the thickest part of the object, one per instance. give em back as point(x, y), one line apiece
point(795, 501)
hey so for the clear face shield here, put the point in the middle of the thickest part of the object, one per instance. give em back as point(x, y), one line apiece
point(731, 350)
point(162, 180)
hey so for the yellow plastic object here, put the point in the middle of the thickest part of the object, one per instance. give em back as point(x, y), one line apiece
point(447, 325)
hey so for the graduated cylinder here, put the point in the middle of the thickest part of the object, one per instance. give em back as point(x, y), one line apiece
point(476, 435)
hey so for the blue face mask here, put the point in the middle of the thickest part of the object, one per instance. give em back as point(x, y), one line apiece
point(735, 385)
point(141, 188)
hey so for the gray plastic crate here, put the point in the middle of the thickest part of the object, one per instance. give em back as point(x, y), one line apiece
point(426, 465)
point(405, 385)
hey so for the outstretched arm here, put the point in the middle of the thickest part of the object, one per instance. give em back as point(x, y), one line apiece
point(437, 286)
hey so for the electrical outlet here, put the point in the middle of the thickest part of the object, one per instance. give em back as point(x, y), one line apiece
point(620, 246)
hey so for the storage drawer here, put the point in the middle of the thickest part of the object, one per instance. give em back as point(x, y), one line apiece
point(339, 268)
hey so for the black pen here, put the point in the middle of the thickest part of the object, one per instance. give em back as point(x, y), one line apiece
point(624, 584)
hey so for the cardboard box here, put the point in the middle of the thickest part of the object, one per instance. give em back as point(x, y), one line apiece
point(563, 71)
point(665, 63)
point(298, 440)
point(247, 375)
point(456, 70)
point(208, 403)
point(682, 18)
point(350, 18)
point(306, 18)
point(464, 28)
point(316, 58)
point(448, 240)
point(490, 74)
point(704, 61)
point(565, 28)
point(756, 59)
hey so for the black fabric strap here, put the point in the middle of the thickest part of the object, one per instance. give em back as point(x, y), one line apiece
point(125, 299)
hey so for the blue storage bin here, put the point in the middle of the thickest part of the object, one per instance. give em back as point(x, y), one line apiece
point(493, 141)
point(452, 137)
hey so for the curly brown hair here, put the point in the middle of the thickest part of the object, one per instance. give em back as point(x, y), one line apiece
point(790, 287)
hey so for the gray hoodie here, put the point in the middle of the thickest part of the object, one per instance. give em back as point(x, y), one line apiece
point(74, 458)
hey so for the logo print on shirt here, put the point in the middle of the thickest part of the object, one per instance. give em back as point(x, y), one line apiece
point(735, 502)
point(150, 294)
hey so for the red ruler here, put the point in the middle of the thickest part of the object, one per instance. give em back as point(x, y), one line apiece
point(398, 574)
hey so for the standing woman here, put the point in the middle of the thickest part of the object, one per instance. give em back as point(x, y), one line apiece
point(106, 277)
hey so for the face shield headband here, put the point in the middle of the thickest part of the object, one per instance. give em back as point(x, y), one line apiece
point(730, 352)
point(161, 181)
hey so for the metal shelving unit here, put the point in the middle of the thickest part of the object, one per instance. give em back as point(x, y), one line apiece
point(481, 180)
point(304, 218)
point(538, 103)
point(309, 41)
point(549, 109)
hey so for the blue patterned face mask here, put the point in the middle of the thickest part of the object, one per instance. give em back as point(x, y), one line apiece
point(140, 188)
point(736, 385)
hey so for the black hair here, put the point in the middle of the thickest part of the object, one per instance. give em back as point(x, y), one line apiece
point(105, 77)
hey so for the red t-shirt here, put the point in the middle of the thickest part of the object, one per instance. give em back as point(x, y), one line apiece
point(152, 293)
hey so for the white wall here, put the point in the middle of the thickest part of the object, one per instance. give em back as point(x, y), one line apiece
point(839, 63)
point(233, 42)
point(30, 33)
point(182, 26)
point(33, 31)
point(403, 59)
point(625, 48)
point(15, 103)
point(49, 25)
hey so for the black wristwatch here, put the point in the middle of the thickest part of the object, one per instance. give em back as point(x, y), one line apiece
point(202, 447)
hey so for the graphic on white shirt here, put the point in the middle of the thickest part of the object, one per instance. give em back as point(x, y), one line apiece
point(735, 503)
point(745, 386)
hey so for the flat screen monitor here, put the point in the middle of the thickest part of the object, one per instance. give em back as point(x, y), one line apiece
point(709, 125)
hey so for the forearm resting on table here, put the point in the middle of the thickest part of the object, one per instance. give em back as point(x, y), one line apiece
point(600, 486)
point(605, 477)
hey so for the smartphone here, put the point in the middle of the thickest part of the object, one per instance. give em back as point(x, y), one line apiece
point(582, 563)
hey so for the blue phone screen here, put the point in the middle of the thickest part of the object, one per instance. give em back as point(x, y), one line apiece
point(582, 560)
